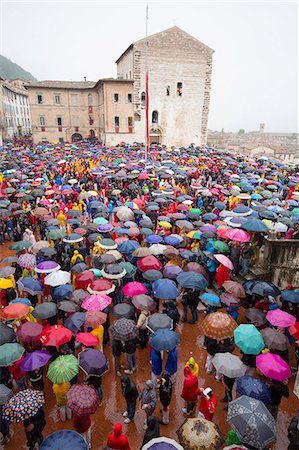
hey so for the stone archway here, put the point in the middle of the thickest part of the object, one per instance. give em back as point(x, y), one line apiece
point(76, 137)
point(92, 134)
point(155, 135)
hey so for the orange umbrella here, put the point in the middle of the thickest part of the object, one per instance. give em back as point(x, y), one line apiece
point(15, 311)
point(219, 326)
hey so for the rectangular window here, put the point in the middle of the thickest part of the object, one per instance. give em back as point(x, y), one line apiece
point(115, 98)
point(57, 99)
point(74, 99)
point(39, 99)
point(179, 89)
point(129, 98)
point(130, 121)
point(116, 121)
point(42, 121)
point(59, 121)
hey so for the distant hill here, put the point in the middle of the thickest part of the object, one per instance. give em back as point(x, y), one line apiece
point(11, 70)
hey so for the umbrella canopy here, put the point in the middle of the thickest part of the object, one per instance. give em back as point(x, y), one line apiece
point(35, 360)
point(27, 261)
point(273, 366)
point(171, 271)
point(66, 439)
point(162, 443)
point(252, 422)
point(274, 339)
point(234, 288)
point(63, 369)
point(164, 340)
point(5, 394)
point(94, 318)
point(75, 321)
point(7, 334)
point(219, 326)
point(29, 331)
point(96, 302)
point(14, 311)
point(83, 399)
point(237, 235)
point(210, 299)
point(256, 316)
point(229, 365)
point(47, 267)
point(55, 335)
point(192, 280)
point(149, 263)
point(68, 306)
point(159, 321)
point(165, 289)
point(45, 310)
point(30, 285)
point(87, 339)
point(199, 434)
point(144, 302)
point(58, 278)
point(254, 388)
point(280, 318)
point(9, 353)
point(93, 362)
point(134, 288)
point(24, 404)
point(261, 287)
point(224, 260)
point(290, 296)
point(84, 279)
point(249, 339)
point(123, 310)
point(123, 329)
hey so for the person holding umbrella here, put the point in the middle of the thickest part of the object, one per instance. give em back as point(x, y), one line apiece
point(130, 394)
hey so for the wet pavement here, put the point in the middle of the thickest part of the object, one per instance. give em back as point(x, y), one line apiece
point(114, 404)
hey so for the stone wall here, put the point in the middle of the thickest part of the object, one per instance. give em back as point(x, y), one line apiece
point(281, 258)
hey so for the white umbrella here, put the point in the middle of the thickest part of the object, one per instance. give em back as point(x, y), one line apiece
point(229, 365)
point(58, 278)
point(157, 249)
point(124, 213)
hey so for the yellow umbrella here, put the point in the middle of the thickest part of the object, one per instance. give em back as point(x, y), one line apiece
point(165, 224)
point(5, 283)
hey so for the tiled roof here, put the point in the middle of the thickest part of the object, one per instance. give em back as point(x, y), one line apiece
point(57, 84)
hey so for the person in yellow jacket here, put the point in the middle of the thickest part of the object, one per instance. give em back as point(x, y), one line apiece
point(76, 207)
point(99, 333)
point(193, 366)
point(75, 256)
point(62, 218)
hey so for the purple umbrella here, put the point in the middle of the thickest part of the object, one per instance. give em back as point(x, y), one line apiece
point(47, 267)
point(172, 271)
point(35, 360)
point(105, 228)
point(209, 228)
point(29, 331)
point(93, 362)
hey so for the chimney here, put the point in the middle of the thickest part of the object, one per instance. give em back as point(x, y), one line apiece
point(84, 78)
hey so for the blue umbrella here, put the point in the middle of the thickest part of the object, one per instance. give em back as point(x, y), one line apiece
point(25, 301)
point(220, 205)
point(75, 321)
point(242, 210)
point(164, 340)
point(128, 247)
point(165, 289)
point(256, 196)
point(290, 296)
point(73, 221)
point(171, 240)
point(64, 439)
point(210, 299)
point(209, 216)
point(261, 287)
point(254, 388)
point(62, 292)
point(30, 285)
point(152, 275)
point(186, 254)
point(270, 215)
point(192, 280)
point(255, 225)
point(154, 239)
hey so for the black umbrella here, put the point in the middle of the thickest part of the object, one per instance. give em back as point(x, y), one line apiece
point(123, 310)
point(9, 259)
point(48, 252)
point(7, 334)
point(159, 321)
point(45, 310)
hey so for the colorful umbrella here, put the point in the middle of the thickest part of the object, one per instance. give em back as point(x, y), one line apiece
point(165, 289)
point(35, 360)
point(24, 404)
point(63, 369)
point(294, 330)
point(279, 318)
point(192, 280)
point(84, 279)
point(83, 399)
point(87, 339)
point(96, 302)
point(47, 267)
point(9, 353)
point(102, 287)
point(219, 326)
point(27, 261)
point(29, 331)
point(254, 388)
point(224, 260)
point(273, 366)
point(144, 302)
point(75, 321)
point(93, 362)
point(55, 335)
point(199, 434)
point(14, 311)
point(5, 284)
point(249, 339)
point(162, 443)
point(210, 299)
point(234, 288)
point(94, 318)
point(237, 235)
point(134, 288)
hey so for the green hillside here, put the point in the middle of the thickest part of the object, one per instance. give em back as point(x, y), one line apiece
point(11, 70)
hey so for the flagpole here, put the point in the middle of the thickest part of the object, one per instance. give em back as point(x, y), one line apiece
point(147, 144)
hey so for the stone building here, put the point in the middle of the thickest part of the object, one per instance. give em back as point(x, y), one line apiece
point(14, 109)
point(113, 110)
point(179, 69)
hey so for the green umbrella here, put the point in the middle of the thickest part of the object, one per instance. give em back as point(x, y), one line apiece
point(221, 247)
point(20, 245)
point(249, 339)
point(97, 272)
point(130, 268)
point(9, 353)
point(295, 211)
point(266, 194)
point(146, 231)
point(56, 234)
point(195, 211)
point(63, 369)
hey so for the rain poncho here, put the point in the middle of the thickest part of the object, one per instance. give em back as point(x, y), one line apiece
point(193, 366)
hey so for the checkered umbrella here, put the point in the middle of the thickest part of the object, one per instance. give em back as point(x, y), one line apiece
point(83, 399)
point(123, 329)
point(27, 261)
point(22, 405)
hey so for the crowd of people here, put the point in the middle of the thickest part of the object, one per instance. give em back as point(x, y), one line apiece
point(109, 251)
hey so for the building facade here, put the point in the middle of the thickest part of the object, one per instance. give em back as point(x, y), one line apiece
point(113, 110)
point(15, 117)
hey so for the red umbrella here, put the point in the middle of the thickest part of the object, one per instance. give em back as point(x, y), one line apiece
point(87, 339)
point(55, 335)
point(30, 331)
point(221, 232)
point(102, 286)
point(15, 311)
point(94, 318)
point(195, 267)
point(294, 330)
point(148, 263)
point(84, 279)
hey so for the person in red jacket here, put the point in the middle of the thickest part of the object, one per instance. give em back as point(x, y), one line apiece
point(18, 375)
point(117, 440)
point(190, 390)
point(82, 425)
point(208, 403)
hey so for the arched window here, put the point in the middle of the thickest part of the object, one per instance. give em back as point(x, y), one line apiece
point(155, 117)
point(90, 99)
point(143, 98)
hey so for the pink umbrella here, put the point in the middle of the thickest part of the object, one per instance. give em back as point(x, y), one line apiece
point(87, 339)
point(195, 267)
point(237, 235)
point(148, 263)
point(273, 366)
point(27, 260)
point(229, 299)
point(30, 331)
point(134, 288)
point(224, 260)
point(96, 302)
point(121, 239)
point(280, 318)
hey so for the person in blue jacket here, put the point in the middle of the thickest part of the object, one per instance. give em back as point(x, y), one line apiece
point(156, 363)
point(172, 363)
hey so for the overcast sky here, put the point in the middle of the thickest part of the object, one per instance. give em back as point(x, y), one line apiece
point(255, 69)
